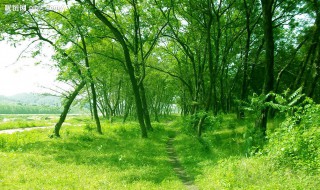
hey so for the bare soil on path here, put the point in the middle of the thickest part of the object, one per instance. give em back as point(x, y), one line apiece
point(178, 168)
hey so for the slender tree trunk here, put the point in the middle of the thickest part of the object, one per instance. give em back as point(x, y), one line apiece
point(280, 73)
point(89, 100)
point(315, 61)
point(128, 105)
point(212, 88)
point(305, 69)
point(129, 65)
point(145, 108)
point(244, 86)
point(156, 114)
point(92, 86)
point(94, 106)
point(66, 108)
point(269, 61)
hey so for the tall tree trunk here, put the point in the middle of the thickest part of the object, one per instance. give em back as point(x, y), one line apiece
point(129, 65)
point(92, 86)
point(217, 59)
point(138, 43)
point(212, 88)
point(127, 107)
point(95, 109)
point(145, 108)
point(305, 69)
point(269, 61)
point(66, 108)
point(244, 86)
point(315, 61)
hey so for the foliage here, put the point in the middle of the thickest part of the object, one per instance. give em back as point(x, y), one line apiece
point(255, 104)
point(284, 102)
point(227, 166)
point(287, 103)
point(296, 142)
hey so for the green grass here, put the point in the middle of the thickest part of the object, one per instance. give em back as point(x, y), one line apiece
point(12, 121)
point(26, 121)
point(120, 159)
point(220, 160)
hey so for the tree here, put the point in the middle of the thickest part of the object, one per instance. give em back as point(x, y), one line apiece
point(269, 61)
point(129, 65)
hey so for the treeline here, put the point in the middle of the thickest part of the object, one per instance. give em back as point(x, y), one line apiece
point(28, 109)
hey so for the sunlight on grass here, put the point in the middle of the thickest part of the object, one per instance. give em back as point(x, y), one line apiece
point(83, 160)
point(120, 159)
point(218, 160)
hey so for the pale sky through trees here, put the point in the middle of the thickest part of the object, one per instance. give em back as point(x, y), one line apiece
point(24, 76)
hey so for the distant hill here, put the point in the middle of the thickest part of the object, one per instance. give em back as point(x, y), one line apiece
point(30, 103)
point(4, 99)
point(35, 99)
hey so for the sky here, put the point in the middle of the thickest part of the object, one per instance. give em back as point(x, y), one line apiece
point(24, 76)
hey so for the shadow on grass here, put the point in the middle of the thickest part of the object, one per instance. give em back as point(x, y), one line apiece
point(197, 153)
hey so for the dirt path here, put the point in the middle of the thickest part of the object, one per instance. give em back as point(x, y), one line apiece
point(177, 167)
point(10, 131)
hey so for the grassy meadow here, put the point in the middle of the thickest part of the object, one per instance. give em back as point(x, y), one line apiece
point(120, 159)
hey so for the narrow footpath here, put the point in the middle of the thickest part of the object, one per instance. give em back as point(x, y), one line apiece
point(178, 168)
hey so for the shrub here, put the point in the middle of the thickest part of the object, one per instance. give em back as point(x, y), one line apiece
point(296, 143)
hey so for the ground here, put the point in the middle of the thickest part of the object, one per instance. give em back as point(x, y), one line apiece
point(120, 159)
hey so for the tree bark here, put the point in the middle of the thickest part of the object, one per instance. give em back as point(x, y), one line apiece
point(145, 108)
point(92, 86)
point(94, 106)
point(305, 69)
point(269, 61)
point(315, 62)
point(212, 70)
point(244, 86)
point(129, 65)
point(66, 108)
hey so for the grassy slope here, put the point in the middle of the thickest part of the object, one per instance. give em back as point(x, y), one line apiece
point(119, 159)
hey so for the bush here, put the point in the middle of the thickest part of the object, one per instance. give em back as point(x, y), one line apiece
point(296, 143)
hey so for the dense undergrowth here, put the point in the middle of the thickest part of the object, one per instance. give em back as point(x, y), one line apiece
point(231, 156)
point(120, 159)
point(296, 142)
point(224, 158)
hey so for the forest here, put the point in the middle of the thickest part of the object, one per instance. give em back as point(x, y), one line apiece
point(233, 85)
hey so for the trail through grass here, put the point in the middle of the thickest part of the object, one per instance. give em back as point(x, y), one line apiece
point(177, 167)
point(120, 159)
